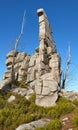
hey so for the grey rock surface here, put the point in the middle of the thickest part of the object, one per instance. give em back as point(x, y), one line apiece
point(33, 125)
point(71, 95)
point(11, 98)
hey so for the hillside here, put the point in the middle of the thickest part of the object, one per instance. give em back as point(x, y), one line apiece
point(19, 110)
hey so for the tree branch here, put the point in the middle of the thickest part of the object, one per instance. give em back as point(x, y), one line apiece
point(21, 33)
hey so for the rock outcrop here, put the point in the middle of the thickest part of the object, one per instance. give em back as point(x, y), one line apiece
point(71, 95)
point(43, 69)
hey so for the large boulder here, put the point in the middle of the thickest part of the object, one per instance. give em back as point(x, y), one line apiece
point(47, 101)
point(11, 98)
point(46, 91)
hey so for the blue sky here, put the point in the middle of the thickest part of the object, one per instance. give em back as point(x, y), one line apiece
point(63, 17)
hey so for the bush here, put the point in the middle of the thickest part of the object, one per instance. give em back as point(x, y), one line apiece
point(2, 103)
point(75, 121)
point(75, 102)
point(22, 83)
point(54, 125)
point(64, 106)
point(53, 113)
point(32, 98)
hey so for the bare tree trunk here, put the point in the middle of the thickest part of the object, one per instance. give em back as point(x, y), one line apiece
point(65, 76)
point(15, 47)
point(21, 33)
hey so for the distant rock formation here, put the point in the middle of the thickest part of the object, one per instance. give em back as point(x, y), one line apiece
point(71, 95)
point(43, 69)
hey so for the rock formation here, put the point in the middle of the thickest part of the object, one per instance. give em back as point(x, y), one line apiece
point(43, 69)
point(71, 95)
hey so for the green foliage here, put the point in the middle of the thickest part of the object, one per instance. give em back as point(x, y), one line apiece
point(64, 106)
point(22, 110)
point(32, 98)
point(22, 83)
point(53, 125)
point(75, 121)
point(75, 102)
point(14, 113)
point(75, 118)
point(2, 103)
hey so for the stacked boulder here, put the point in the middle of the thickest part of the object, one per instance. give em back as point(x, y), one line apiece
point(49, 69)
point(43, 69)
point(17, 64)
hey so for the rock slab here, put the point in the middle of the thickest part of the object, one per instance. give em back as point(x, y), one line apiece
point(33, 125)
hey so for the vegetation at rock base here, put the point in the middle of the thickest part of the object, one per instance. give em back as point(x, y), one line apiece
point(75, 121)
point(75, 116)
point(21, 110)
point(22, 82)
point(75, 102)
point(53, 125)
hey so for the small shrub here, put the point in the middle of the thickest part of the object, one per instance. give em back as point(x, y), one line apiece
point(8, 122)
point(32, 98)
point(64, 106)
point(32, 107)
point(2, 103)
point(22, 83)
point(22, 111)
point(53, 113)
point(75, 102)
point(75, 121)
point(54, 125)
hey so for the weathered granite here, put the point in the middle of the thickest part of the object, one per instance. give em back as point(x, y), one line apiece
point(11, 98)
point(20, 57)
point(71, 95)
point(12, 53)
point(33, 125)
point(42, 70)
point(47, 100)
point(26, 92)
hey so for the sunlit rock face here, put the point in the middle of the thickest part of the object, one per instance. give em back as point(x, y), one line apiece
point(43, 69)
